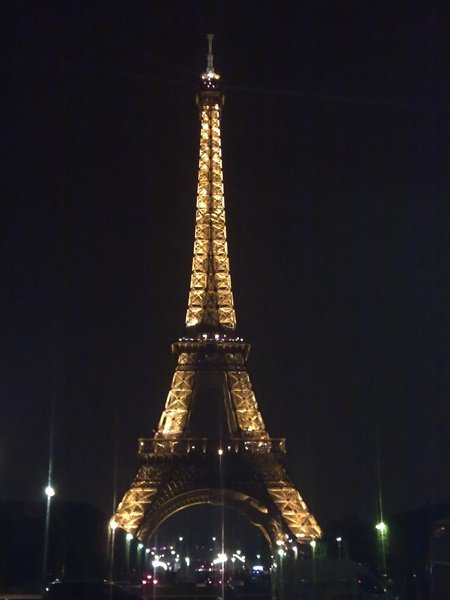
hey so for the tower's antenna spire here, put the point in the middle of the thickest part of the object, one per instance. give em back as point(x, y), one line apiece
point(210, 63)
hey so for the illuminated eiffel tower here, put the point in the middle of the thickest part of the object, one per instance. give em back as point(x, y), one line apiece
point(211, 445)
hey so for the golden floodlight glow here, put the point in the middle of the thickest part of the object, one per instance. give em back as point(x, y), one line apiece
point(210, 300)
point(169, 477)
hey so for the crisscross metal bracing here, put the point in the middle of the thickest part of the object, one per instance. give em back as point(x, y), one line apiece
point(210, 301)
point(174, 417)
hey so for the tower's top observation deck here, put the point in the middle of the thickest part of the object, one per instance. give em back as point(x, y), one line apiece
point(210, 89)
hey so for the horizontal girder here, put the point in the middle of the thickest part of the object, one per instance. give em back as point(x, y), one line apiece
point(186, 445)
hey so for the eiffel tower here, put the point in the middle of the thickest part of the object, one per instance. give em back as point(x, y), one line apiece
point(211, 445)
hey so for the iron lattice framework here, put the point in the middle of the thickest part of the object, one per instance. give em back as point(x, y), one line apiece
point(179, 468)
point(210, 297)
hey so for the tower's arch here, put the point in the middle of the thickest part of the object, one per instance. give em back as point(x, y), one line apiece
point(249, 507)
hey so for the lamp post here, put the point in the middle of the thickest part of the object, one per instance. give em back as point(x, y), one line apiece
point(382, 529)
point(128, 540)
point(113, 525)
point(140, 559)
point(339, 541)
point(49, 491)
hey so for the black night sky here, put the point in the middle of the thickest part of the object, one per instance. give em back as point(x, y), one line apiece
point(336, 156)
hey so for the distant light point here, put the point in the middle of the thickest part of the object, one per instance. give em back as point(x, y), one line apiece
point(49, 491)
point(381, 527)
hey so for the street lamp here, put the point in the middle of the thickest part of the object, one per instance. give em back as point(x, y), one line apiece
point(382, 529)
point(128, 540)
point(112, 526)
point(339, 540)
point(49, 491)
point(140, 558)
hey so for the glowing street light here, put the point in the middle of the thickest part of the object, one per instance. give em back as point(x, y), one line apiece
point(113, 525)
point(221, 559)
point(49, 491)
point(128, 540)
point(339, 540)
point(381, 527)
